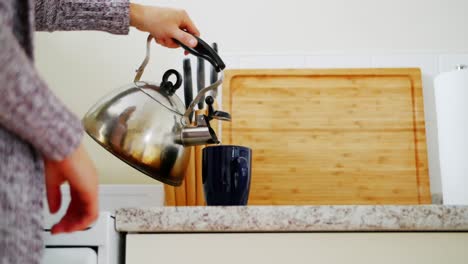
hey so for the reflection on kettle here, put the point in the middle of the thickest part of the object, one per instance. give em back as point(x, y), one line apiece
point(120, 127)
point(147, 126)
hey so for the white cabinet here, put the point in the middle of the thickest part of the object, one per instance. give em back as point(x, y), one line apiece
point(285, 248)
point(70, 256)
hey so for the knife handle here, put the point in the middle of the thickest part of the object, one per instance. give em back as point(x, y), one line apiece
point(201, 80)
point(214, 74)
point(188, 88)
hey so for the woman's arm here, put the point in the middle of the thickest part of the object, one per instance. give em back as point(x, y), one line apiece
point(28, 108)
point(112, 16)
point(116, 16)
point(32, 112)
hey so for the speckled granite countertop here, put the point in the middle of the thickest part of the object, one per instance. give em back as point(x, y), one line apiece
point(293, 219)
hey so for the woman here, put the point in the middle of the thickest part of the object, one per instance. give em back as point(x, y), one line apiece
point(40, 139)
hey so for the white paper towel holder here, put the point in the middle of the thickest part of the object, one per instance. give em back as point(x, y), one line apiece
point(450, 94)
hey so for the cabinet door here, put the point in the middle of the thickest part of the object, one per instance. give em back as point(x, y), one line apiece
point(281, 248)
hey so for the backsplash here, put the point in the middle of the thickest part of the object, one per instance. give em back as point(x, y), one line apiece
point(430, 64)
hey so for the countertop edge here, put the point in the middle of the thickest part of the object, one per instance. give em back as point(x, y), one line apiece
point(423, 218)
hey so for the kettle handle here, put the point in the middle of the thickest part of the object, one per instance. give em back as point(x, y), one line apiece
point(141, 69)
point(202, 50)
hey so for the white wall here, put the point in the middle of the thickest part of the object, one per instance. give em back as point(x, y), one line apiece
point(82, 66)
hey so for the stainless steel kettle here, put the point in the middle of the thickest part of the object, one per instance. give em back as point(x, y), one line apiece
point(147, 126)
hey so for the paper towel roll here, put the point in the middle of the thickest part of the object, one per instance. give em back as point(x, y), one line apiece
point(451, 99)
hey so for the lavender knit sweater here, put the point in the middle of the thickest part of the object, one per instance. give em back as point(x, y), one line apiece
point(33, 122)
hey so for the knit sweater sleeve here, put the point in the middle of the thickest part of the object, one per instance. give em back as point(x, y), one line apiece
point(28, 108)
point(103, 15)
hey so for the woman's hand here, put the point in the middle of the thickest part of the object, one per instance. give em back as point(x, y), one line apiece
point(79, 172)
point(164, 24)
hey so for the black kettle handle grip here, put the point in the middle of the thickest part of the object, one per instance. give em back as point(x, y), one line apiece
point(205, 51)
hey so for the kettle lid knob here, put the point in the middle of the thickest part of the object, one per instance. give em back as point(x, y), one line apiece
point(168, 86)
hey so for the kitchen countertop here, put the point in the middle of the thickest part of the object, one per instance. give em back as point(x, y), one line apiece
point(293, 219)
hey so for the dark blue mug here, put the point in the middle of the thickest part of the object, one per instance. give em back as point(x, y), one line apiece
point(226, 172)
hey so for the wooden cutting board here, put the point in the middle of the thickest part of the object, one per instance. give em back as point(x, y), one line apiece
point(344, 136)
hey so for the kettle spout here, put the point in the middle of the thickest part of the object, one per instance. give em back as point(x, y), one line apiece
point(195, 136)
